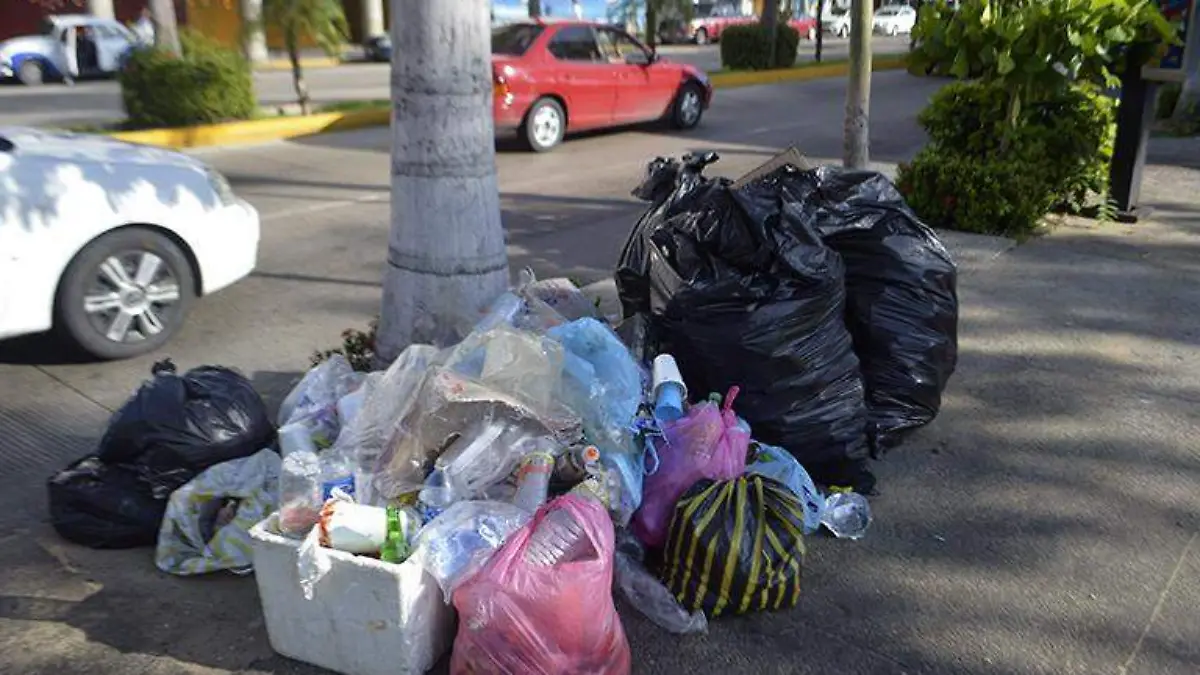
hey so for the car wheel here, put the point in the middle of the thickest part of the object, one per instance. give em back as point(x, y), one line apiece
point(545, 125)
point(30, 73)
point(689, 106)
point(126, 293)
point(701, 37)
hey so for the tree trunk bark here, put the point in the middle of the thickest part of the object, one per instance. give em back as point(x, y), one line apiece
point(651, 23)
point(820, 31)
point(298, 81)
point(1188, 106)
point(858, 92)
point(446, 257)
point(770, 21)
point(535, 8)
point(166, 31)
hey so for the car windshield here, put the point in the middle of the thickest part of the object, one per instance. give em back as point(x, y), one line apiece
point(514, 40)
point(46, 27)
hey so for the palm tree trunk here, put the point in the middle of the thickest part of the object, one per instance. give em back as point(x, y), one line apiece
point(858, 92)
point(820, 31)
point(535, 8)
point(1187, 108)
point(446, 258)
point(651, 23)
point(770, 20)
point(298, 82)
point(166, 30)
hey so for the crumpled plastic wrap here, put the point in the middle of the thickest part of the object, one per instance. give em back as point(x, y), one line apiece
point(313, 401)
point(446, 404)
point(646, 593)
point(208, 521)
point(455, 545)
point(779, 465)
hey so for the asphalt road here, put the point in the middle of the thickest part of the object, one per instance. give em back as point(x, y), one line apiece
point(1047, 523)
point(100, 101)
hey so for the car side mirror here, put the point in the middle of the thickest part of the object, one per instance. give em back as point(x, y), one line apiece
point(639, 58)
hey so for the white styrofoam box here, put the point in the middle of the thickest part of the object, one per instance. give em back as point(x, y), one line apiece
point(366, 617)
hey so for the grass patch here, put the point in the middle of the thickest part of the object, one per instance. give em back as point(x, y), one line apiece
point(354, 106)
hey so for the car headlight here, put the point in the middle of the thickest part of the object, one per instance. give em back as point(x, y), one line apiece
point(221, 187)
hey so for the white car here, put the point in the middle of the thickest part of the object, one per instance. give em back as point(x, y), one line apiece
point(109, 243)
point(33, 59)
point(895, 19)
point(836, 22)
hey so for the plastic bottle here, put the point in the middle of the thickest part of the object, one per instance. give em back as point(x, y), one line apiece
point(533, 480)
point(337, 473)
point(847, 515)
point(299, 493)
point(669, 390)
point(559, 538)
point(574, 465)
point(435, 497)
point(295, 437)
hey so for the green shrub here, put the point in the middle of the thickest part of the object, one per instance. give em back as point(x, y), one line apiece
point(1067, 137)
point(1168, 97)
point(747, 47)
point(209, 83)
point(952, 190)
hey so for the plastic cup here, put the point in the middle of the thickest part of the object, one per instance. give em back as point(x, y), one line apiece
point(668, 404)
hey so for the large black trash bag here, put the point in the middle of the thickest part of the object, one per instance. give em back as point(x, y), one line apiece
point(103, 506)
point(176, 426)
point(742, 293)
point(901, 298)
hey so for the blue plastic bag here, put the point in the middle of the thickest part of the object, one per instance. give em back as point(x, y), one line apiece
point(779, 465)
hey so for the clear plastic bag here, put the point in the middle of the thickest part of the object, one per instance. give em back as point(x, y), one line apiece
point(518, 616)
point(485, 454)
point(448, 403)
point(778, 464)
point(645, 592)
point(208, 521)
point(314, 399)
point(519, 363)
point(389, 396)
point(460, 541)
point(602, 382)
point(709, 442)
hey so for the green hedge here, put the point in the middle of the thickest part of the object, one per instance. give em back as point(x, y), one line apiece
point(747, 47)
point(980, 173)
point(210, 83)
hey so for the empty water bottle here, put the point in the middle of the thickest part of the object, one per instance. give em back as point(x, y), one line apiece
point(557, 539)
point(435, 497)
point(847, 515)
point(299, 492)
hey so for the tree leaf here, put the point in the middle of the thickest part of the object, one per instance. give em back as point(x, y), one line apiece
point(1005, 64)
point(962, 65)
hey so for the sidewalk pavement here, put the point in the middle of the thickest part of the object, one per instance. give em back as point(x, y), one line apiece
point(1047, 522)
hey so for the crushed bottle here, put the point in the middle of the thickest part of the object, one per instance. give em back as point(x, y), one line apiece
point(847, 515)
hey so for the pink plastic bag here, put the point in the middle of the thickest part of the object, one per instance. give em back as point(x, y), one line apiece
point(706, 443)
point(523, 617)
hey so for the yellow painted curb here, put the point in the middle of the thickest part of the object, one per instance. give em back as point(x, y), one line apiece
point(284, 64)
point(279, 128)
point(256, 131)
point(757, 77)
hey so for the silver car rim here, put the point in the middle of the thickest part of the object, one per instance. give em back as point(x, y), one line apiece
point(547, 126)
point(689, 107)
point(131, 297)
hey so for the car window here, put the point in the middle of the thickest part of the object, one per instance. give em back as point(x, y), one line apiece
point(107, 32)
point(514, 40)
point(575, 43)
point(616, 46)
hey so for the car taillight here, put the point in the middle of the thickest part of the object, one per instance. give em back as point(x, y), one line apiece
point(500, 89)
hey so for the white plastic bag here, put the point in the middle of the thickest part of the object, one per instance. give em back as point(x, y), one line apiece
point(208, 520)
point(313, 401)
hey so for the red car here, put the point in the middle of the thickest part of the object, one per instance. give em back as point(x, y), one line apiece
point(551, 78)
point(805, 25)
point(712, 18)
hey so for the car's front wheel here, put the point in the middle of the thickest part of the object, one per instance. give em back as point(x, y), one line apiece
point(545, 125)
point(689, 106)
point(30, 73)
point(126, 293)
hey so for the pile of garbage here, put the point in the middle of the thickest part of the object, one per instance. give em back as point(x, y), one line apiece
point(776, 332)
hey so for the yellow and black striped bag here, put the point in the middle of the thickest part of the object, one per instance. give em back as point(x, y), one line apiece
point(735, 546)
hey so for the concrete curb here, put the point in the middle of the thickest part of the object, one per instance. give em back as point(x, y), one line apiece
point(312, 62)
point(274, 129)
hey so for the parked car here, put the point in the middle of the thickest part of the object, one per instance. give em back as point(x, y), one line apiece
point(805, 25)
point(378, 48)
point(551, 78)
point(895, 19)
point(33, 59)
point(109, 243)
point(710, 19)
point(836, 22)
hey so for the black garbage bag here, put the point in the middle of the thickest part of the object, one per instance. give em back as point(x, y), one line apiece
point(176, 426)
point(104, 506)
point(742, 292)
point(735, 546)
point(901, 297)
